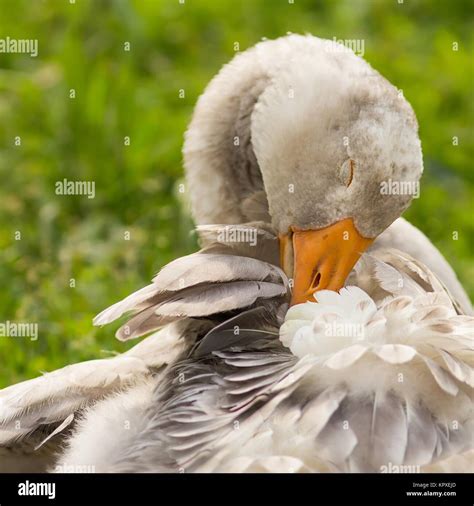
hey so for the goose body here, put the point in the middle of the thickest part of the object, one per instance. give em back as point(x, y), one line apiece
point(289, 143)
point(305, 402)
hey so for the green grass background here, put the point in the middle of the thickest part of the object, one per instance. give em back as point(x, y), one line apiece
point(136, 94)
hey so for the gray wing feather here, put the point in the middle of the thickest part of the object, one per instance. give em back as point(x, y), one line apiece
point(199, 285)
point(238, 330)
point(219, 298)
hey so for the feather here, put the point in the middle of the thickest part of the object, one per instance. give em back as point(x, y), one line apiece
point(219, 298)
point(422, 436)
point(442, 377)
point(190, 272)
point(142, 323)
point(346, 357)
point(395, 353)
point(389, 431)
point(336, 442)
point(317, 413)
point(212, 268)
point(54, 396)
point(57, 430)
point(461, 371)
point(229, 333)
point(118, 309)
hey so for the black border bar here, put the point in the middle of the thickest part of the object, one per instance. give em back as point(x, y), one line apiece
point(245, 489)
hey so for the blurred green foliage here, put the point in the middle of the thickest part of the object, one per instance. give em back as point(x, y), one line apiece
point(136, 93)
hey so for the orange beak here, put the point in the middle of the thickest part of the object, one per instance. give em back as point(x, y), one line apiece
point(321, 259)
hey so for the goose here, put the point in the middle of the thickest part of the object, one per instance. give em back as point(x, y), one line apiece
point(315, 331)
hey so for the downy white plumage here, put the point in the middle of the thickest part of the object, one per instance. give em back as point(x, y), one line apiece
point(378, 374)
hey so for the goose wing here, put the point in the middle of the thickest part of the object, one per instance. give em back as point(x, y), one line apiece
point(34, 411)
point(395, 399)
point(388, 272)
point(213, 283)
point(187, 298)
point(406, 238)
point(36, 415)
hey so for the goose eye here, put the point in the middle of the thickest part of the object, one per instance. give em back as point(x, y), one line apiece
point(347, 172)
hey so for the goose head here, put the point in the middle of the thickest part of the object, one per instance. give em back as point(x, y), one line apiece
point(328, 145)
